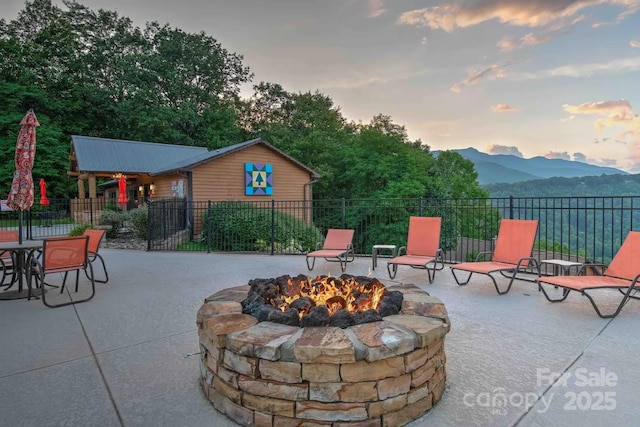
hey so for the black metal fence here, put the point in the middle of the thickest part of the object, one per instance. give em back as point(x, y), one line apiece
point(575, 228)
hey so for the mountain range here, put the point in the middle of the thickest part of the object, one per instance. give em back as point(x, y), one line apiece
point(507, 168)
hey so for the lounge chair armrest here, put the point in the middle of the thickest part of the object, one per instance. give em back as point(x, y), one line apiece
point(401, 250)
point(533, 263)
point(484, 254)
point(583, 269)
point(318, 246)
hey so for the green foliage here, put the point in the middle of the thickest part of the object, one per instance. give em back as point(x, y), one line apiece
point(239, 226)
point(595, 186)
point(472, 256)
point(111, 207)
point(453, 176)
point(138, 218)
point(94, 73)
point(192, 247)
point(113, 218)
point(87, 72)
point(79, 229)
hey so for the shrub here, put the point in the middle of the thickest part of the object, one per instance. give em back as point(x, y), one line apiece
point(139, 221)
point(111, 207)
point(241, 226)
point(114, 219)
point(79, 229)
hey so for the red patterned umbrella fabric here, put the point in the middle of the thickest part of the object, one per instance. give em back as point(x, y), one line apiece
point(21, 193)
point(122, 188)
point(43, 193)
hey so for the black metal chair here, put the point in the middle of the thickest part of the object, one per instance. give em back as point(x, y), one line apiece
point(7, 263)
point(95, 238)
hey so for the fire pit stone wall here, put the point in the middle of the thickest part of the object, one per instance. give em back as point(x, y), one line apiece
point(384, 373)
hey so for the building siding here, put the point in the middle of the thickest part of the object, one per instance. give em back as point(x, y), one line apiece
point(223, 178)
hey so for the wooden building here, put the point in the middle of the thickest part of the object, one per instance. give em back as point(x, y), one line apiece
point(249, 171)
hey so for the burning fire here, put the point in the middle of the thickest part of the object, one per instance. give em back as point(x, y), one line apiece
point(334, 292)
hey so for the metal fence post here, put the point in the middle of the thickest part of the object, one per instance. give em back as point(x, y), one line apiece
point(420, 206)
point(510, 207)
point(91, 211)
point(209, 226)
point(344, 213)
point(273, 226)
point(149, 216)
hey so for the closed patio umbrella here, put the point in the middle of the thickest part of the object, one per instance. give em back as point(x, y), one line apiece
point(122, 189)
point(21, 193)
point(43, 193)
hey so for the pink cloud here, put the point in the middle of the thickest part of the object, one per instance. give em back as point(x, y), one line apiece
point(503, 149)
point(502, 108)
point(531, 13)
point(376, 8)
point(474, 76)
point(615, 114)
point(579, 157)
point(557, 155)
point(507, 45)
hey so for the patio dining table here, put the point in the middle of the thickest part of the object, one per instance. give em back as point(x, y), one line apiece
point(22, 253)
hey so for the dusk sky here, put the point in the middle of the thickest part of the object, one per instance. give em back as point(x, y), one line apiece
point(554, 78)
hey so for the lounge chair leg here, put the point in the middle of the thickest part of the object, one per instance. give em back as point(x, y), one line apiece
point(565, 294)
point(607, 316)
point(430, 276)
point(313, 263)
point(458, 281)
point(495, 284)
point(393, 270)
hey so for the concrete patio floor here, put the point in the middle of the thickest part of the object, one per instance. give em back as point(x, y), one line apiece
point(118, 360)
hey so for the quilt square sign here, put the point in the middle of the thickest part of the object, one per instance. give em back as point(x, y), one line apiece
point(258, 179)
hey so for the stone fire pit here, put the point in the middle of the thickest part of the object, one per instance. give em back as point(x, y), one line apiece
point(384, 373)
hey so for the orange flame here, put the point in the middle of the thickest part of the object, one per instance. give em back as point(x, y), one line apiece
point(334, 292)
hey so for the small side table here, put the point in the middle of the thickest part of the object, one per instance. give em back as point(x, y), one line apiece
point(377, 248)
point(561, 267)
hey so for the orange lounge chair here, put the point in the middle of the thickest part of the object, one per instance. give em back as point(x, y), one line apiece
point(337, 246)
point(512, 254)
point(423, 247)
point(622, 274)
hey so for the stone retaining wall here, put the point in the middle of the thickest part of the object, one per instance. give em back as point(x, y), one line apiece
point(385, 373)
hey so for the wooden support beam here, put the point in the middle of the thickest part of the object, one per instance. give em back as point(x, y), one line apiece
point(81, 194)
point(93, 189)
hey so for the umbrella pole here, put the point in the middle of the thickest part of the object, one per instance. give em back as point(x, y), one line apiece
point(20, 227)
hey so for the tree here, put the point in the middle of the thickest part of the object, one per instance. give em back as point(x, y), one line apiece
point(380, 162)
point(93, 73)
point(453, 176)
point(307, 126)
